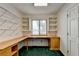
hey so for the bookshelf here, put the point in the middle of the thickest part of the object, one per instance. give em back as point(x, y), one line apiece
point(53, 26)
point(14, 50)
point(25, 25)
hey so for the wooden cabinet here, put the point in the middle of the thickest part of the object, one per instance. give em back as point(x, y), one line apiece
point(55, 43)
point(10, 51)
point(5, 52)
point(14, 50)
point(26, 44)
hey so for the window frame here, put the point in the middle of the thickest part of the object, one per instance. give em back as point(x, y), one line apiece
point(39, 26)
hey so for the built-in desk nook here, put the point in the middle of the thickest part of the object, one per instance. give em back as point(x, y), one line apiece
point(10, 47)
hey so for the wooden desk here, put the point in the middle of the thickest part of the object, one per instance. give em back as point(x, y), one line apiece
point(53, 42)
point(36, 37)
point(10, 47)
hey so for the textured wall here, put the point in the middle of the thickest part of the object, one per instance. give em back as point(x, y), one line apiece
point(9, 23)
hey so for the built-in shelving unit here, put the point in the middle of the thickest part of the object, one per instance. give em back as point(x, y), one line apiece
point(53, 25)
point(25, 25)
point(14, 50)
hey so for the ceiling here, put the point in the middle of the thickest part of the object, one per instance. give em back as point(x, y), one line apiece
point(29, 8)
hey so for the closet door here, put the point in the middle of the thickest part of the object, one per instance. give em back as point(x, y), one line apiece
point(74, 37)
point(73, 31)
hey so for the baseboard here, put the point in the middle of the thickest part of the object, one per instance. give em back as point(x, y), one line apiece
point(38, 46)
point(61, 53)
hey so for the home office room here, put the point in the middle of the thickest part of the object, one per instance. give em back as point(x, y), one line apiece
point(39, 29)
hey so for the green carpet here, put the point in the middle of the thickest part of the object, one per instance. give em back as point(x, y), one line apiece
point(38, 52)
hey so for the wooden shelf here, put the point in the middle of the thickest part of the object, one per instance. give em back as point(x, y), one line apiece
point(53, 30)
point(24, 18)
point(53, 20)
point(52, 17)
point(24, 21)
point(13, 53)
point(25, 25)
point(14, 50)
point(52, 26)
point(24, 30)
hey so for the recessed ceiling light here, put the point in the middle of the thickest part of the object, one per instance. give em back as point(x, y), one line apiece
point(40, 4)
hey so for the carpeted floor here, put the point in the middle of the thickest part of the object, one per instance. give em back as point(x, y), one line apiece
point(38, 52)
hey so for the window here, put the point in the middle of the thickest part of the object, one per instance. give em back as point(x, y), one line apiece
point(39, 27)
point(43, 27)
point(35, 27)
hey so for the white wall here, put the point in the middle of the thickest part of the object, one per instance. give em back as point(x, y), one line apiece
point(6, 35)
point(10, 8)
point(62, 27)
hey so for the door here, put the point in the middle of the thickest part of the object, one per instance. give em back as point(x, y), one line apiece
point(74, 37)
point(72, 32)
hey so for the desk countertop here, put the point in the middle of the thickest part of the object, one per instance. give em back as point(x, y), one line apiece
point(8, 43)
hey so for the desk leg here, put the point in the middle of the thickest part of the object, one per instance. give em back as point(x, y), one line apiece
point(49, 42)
point(26, 44)
point(27, 48)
